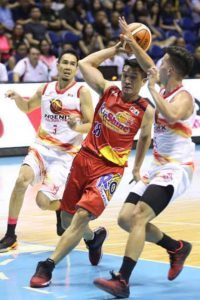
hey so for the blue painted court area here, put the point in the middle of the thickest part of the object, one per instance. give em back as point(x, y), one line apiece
point(73, 277)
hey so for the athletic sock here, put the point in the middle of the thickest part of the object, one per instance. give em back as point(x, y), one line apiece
point(168, 243)
point(58, 217)
point(50, 264)
point(12, 223)
point(127, 267)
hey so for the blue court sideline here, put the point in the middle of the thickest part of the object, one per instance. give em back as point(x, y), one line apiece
point(73, 277)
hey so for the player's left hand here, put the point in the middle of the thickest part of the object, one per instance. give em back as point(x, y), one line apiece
point(136, 176)
point(71, 122)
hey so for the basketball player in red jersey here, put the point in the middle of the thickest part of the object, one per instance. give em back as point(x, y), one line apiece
point(118, 116)
point(170, 172)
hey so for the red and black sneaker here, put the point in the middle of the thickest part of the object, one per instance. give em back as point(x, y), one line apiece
point(8, 243)
point(95, 246)
point(115, 286)
point(178, 258)
point(43, 275)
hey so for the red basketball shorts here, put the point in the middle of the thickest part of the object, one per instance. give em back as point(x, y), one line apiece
point(91, 184)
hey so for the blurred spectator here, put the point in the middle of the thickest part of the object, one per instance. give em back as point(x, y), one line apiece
point(6, 16)
point(94, 7)
point(154, 12)
point(49, 17)
point(124, 9)
point(116, 60)
point(18, 37)
point(91, 41)
point(46, 55)
point(5, 46)
point(168, 20)
point(3, 72)
point(81, 11)
point(101, 22)
point(114, 23)
point(175, 7)
point(31, 68)
point(69, 18)
point(195, 8)
point(35, 30)
point(21, 13)
point(195, 73)
point(20, 52)
point(140, 12)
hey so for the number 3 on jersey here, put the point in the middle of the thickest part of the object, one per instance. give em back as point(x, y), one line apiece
point(97, 129)
point(54, 129)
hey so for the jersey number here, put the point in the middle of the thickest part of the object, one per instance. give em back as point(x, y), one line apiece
point(97, 129)
point(54, 129)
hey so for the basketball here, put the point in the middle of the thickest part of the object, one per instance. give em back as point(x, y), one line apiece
point(141, 34)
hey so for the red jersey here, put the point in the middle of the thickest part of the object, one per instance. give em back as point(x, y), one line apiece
point(114, 126)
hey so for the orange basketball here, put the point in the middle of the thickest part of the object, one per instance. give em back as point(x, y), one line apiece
point(141, 34)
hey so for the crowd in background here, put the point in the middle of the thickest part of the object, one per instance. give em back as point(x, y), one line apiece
point(33, 32)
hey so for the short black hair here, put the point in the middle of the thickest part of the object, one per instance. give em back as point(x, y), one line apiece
point(181, 58)
point(134, 65)
point(68, 51)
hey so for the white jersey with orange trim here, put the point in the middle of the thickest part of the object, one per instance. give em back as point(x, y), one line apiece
point(172, 142)
point(56, 107)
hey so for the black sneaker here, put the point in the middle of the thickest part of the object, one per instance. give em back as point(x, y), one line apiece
point(115, 286)
point(8, 243)
point(95, 246)
point(178, 258)
point(43, 275)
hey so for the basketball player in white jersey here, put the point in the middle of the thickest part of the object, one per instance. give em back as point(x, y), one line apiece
point(67, 113)
point(171, 171)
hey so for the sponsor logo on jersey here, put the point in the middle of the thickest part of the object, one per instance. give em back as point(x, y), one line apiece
point(56, 106)
point(134, 110)
point(119, 122)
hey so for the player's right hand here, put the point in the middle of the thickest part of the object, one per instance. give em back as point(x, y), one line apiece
point(11, 94)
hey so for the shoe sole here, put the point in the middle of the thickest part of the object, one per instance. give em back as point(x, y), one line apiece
point(188, 253)
point(110, 291)
point(13, 247)
point(46, 284)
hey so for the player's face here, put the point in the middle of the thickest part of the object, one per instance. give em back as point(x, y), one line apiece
point(132, 81)
point(67, 67)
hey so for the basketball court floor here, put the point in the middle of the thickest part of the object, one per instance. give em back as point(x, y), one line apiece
point(73, 276)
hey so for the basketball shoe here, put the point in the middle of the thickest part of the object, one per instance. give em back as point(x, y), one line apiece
point(115, 286)
point(43, 274)
point(8, 243)
point(178, 258)
point(95, 246)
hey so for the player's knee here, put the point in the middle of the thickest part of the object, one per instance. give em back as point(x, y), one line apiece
point(124, 221)
point(22, 183)
point(139, 217)
point(80, 219)
point(42, 202)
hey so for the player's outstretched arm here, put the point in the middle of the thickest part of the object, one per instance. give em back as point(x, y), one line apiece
point(22, 103)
